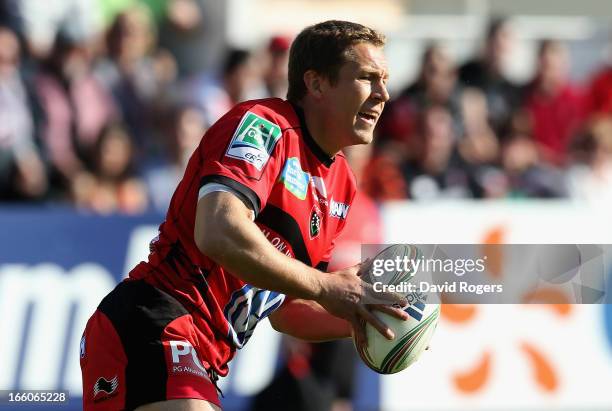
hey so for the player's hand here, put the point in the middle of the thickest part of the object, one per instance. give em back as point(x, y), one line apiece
point(347, 296)
point(359, 329)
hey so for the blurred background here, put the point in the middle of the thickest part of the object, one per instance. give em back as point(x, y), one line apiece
point(499, 130)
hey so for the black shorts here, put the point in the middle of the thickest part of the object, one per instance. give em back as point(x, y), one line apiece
point(140, 347)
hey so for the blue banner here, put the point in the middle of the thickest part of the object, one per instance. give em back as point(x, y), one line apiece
point(55, 267)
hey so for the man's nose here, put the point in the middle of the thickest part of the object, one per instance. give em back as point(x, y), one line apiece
point(380, 92)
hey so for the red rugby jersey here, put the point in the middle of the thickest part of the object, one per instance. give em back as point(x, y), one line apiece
point(301, 197)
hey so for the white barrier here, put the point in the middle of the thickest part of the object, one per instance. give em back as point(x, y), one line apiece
point(506, 357)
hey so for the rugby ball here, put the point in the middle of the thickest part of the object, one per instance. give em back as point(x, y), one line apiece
point(412, 337)
point(378, 270)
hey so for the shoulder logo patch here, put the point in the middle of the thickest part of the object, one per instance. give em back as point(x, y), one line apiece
point(295, 179)
point(254, 140)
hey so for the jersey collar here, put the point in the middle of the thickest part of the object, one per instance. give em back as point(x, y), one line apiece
point(321, 155)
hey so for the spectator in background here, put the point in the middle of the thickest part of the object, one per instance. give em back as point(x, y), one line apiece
point(10, 16)
point(383, 179)
point(436, 84)
point(436, 171)
point(556, 108)
point(111, 8)
point(188, 127)
point(478, 144)
point(478, 147)
point(139, 76)
point(44, 20)
point(485, 72)
point(436, 162)
point(22, 171)
point(600, 90)
point(590, 179)
point(76, 107)
point(194, 32)
point(112, 186)
point(525, 174)
point(275, 77)
point(397, 143)
point(216, 94)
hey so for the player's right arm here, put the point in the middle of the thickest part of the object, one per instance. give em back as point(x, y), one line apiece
point(225, 232)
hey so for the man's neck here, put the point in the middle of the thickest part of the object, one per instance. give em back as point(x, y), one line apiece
point(315, 121)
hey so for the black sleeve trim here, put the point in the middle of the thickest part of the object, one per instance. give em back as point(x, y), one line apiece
point(248, 195)
point(323, 266)
point(284, 224)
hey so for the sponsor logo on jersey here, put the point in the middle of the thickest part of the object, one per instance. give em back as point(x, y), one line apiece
point(338, 210)
point(246, 308)
point(105, 386)
point(294, 178)
point(278, 241)
point(254, 140)
point(319, 185)
point(315, 222)
point(319, 192)
point(185, 359)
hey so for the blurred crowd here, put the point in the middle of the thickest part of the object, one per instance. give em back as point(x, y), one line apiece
point(102, 103)
point(467, 131)
point(102, 107)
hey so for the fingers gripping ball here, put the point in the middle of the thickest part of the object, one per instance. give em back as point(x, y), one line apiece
point(412, 336)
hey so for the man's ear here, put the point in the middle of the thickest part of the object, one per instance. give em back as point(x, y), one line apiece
point(314, 83)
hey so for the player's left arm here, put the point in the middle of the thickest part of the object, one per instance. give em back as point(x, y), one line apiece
point(309, 321)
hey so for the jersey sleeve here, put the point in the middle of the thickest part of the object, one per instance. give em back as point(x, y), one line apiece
point(244, 150)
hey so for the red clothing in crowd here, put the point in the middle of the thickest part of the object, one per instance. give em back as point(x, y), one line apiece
point(600, 93)
point(383, 179)
point(555, 120)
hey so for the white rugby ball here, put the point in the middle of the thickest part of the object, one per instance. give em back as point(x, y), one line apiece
point(376, 270)
point(412, 337)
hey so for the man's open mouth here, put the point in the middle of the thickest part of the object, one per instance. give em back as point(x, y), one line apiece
point(368, 117)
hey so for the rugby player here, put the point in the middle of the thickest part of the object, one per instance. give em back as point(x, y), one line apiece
point(248, 235)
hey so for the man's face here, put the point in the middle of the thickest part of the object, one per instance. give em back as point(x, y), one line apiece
point(353, 105)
